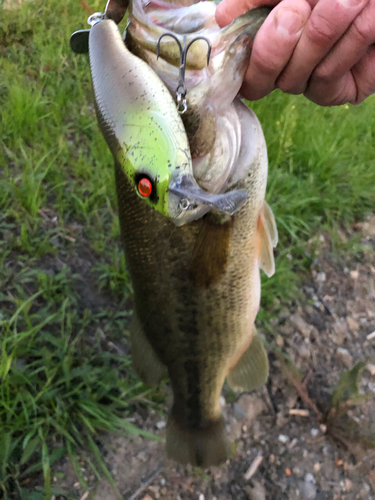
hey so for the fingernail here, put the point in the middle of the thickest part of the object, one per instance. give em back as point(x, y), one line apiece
point(288, 22)
point(351, 3)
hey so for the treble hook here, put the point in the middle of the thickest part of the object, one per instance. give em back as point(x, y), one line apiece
point(181, 87)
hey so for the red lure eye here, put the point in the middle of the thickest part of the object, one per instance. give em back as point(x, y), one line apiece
point(145, 187)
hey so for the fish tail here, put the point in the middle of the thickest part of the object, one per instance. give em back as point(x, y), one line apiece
point(203, 447)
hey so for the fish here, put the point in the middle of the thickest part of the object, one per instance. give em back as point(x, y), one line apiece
point(197, 288)
point(196, 283)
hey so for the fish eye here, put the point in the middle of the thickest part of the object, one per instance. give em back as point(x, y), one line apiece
point(144, 187)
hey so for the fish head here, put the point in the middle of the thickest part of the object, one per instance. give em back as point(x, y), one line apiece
point(214, 85)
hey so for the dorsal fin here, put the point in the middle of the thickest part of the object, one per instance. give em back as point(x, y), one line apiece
point(267, 239)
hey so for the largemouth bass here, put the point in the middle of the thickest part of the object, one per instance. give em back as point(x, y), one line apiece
point(197, 286)
point(197, 289)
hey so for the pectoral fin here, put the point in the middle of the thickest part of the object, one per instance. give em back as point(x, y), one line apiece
point(270, 223)
point(267, 240)
point(211, 253)
point(251, 371)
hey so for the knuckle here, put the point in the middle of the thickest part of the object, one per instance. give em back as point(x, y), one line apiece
point(320, 30)
point(323, 73)
point(267, 64)
point(289, 87)
point(363, 29)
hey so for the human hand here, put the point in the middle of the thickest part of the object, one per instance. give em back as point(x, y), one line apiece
point(323, 49)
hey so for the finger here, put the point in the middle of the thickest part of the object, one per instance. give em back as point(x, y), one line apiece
point(273, 47)
point(354, 86)
point(328, 22)
point(350, 48)
point(227, 10)
point(364, 75)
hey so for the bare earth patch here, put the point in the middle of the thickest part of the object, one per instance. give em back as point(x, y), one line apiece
point(282, 449)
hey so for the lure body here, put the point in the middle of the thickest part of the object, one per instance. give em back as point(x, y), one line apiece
point(137, 116)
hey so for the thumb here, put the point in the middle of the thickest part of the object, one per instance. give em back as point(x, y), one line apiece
point(227, 10)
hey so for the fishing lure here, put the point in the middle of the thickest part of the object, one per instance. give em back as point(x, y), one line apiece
point(142, 127)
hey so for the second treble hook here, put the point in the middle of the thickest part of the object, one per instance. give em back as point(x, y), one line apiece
point(181, 87)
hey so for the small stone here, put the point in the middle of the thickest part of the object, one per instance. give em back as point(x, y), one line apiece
point(309, 488)
point(279, 341)
point(301, 325)
point(339, 335)
point(317, 467)
point(248, 407)
point(161, 424)
point(201, 496)
point(283, 438)
point(318, 305)
point(222, 401)
point(348, 485)
point(304, 351)
point(257, 492)
point(142, 455)
point(371, 369)
point(371, 476)
point(369, 227)
point(310, 478)
point(321, 277)
point(323, 428)
point(293, 443)
point(345, 356)
point(234, 430)
point(314, 432)
point(352, 324)
point(162, 481)
point(354, 274)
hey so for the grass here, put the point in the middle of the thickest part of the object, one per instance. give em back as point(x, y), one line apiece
point(64, 290)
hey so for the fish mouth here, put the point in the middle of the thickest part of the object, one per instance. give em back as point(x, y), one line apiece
point(190, 196)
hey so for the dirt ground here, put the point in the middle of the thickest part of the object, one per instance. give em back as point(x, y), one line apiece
point(285, 445)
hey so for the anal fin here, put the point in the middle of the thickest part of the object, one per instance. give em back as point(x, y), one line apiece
point(251, 371)
point(145, 361)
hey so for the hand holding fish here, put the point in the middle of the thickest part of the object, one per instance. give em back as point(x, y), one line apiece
point(323, 49)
